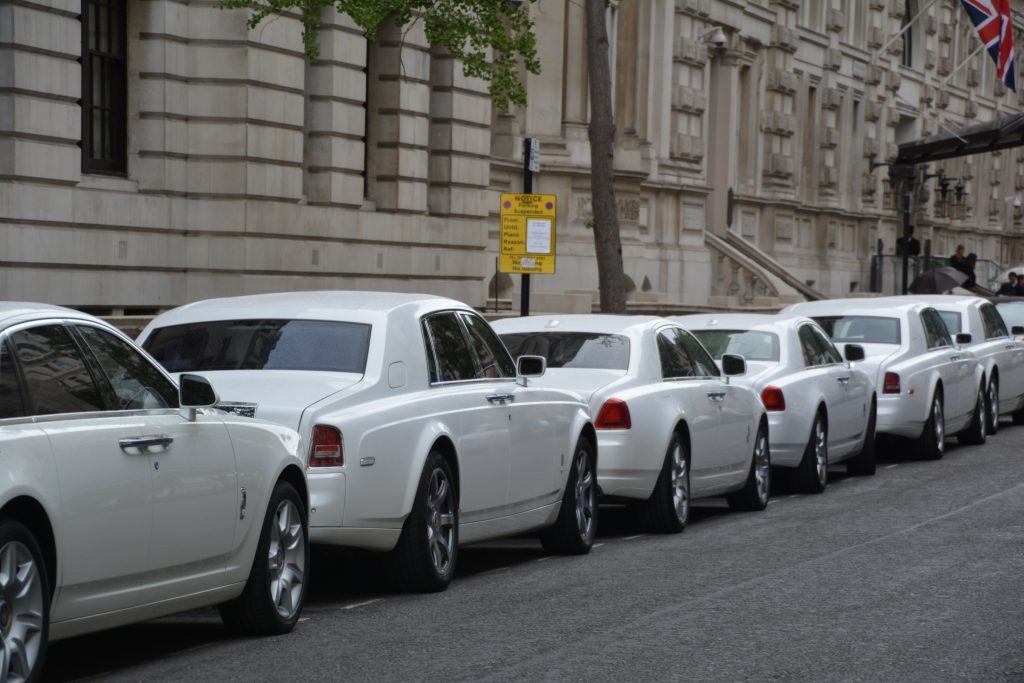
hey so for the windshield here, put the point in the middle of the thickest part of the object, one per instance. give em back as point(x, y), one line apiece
point(952, 321)
point(572, 349)
point(261, 345)
point(751, 345)
point(862, 329)
point(1013, 313)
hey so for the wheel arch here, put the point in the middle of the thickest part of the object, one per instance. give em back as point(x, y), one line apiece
point(590, 434)
point(32, 514)
point(293, 475)
point(443, 445)
point(683, 430)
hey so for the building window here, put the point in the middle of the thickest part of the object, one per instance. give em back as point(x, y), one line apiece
point(909, 13)
point(104, 86)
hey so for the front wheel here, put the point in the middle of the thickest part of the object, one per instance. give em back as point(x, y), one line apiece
point(993, 406)
point(576, 526)
point(429, 546)
point(932, 443)
point(668, 509)
point(755, 492)
point(24, 603)
point(812, 473)
point(276, 590)
point(866, 462)
point(977, 433)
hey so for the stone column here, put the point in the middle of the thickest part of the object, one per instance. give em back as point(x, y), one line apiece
point(575, 92)
point(722, 139)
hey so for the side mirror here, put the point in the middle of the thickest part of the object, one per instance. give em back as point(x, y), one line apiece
point(963, 338)
point(733, 365)
point(853, 352)
point(531, 366)
point(194, 392)
point(1017, 329)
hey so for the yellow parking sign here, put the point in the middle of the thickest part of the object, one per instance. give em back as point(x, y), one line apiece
point(527, 233)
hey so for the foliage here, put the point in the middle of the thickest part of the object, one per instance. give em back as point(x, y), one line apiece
point(489, 37)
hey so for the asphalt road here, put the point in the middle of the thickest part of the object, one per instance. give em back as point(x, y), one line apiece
point(916, 573)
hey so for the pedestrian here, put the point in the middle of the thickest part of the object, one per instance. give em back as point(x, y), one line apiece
point(1010, 287)
point(958, 260)
point(971, 262)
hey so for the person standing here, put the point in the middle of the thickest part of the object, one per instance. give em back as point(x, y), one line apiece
point(1010, 287)
point(958, 260)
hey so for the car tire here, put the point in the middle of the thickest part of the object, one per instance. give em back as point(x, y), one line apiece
point(428, 549)
point(811, 474)
point(758, 486)
point(865, 463)
point(931, 445)
point(668, 509)
point(993, 405)
point(24, 603)
point(275, 592)
point(977, 433)
point(576, 525)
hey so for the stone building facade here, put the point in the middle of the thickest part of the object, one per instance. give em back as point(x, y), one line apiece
point(154, 152)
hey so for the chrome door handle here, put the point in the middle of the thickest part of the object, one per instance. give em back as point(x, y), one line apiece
point(843, 380)
point(955, 357)
point(145, 444)
point(501, 398)
point(716, 395)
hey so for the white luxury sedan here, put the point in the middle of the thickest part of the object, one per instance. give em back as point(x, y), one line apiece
point(122, 500)
point(669, 426)
point(928, 385)
point(423, 432)
point(1000, 354)
point(821, 411)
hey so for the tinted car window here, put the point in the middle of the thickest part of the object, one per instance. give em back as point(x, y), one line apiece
point(951, 319)
point(11, 403)
point(1012, 313)
point(808, 348)
point(861, 329)
point(935, 332)
point(135, 383)
point(751, 345)
point(994, 324)
point(56, 377)
point(827, 353)
point(454, 359)
point(324, 345)
point(490, 352)
point(572, 349)
point(675, 362)
point(703, 365)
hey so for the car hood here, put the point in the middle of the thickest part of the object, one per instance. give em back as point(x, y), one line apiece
point(585, 382)
point(276, 395)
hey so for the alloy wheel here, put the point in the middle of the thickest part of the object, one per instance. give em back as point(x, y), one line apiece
point(940, 426)
point(680, 484)
point(762, 466)
point(440, 521)
point(586, 495)
point(21, 611)
point(980, 414)
point(821, 450)
point(287, 559)
point(993, 404)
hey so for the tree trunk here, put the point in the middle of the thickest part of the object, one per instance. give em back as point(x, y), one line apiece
point(608, 246)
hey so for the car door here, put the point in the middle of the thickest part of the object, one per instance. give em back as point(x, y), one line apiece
point(828, 378)
point(1009, 354)
point(952, 364)
point(106, 492)
point(196, 499)
point(849, 415)
point(476, 409)
point(535, 422)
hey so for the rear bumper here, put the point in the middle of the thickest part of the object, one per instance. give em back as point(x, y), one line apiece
point(620, 472)
point(787, 438)
point(902, 415)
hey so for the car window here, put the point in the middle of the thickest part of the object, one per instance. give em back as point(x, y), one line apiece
point(490, 352)
point(827, 352)
point(861, 329)
point(11, 401)
point(808, 347)
point(1012, 313)
point(276, 344)
point(589, 350)
point(951, 320)
point(56, 377)
point(675, 362)
point(136, 384)
point(763, 346)
point(703, 365)
point(454, 358)
point(995, 326)
point(935, 332)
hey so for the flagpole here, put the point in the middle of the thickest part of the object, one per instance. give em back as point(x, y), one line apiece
point(901, 31)
point(961, 65)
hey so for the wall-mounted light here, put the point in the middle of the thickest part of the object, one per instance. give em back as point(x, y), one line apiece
point(715, 36)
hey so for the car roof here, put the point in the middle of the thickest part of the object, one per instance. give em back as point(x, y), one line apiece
point(315, 305)
point(879, 305)
point(724, 321)
point(936, 299)
point(580, 322)
point(14, 312)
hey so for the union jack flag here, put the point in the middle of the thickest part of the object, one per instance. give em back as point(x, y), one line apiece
point(994, 22)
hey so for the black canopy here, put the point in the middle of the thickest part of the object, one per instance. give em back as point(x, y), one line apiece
point(973, 139)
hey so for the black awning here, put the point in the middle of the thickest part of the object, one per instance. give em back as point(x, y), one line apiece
point(973, 139)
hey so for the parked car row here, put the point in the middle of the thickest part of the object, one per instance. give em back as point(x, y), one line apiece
point(408, 424)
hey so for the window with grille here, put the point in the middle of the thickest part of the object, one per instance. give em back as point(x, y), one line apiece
point(104, 86)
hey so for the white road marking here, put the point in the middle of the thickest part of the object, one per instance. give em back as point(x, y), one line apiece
point(889, 467)
point(302, 619)
point(544, 559)
point(362, 604)
point(630, 538)
point(596, 545)
point(793, 495)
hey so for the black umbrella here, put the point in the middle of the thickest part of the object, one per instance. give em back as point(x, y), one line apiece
point(938, 280)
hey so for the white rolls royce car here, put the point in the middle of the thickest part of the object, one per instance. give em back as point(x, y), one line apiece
point(992, 342)
point(670, 427)
point(928, 385)
point(422, 431)
point(821, 411)
point(122, 500)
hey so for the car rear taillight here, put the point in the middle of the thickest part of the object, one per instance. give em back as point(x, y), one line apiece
point(891, 383)
point(773, 399)
point(327, 449)
point(614, 415)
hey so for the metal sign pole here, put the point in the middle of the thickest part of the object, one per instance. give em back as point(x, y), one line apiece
point(524, 301)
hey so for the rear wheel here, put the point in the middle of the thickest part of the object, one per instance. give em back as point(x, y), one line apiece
point(668, 509)
point(428, 548)
point(576, 526)
point(865, 462)
point(977, 433)
point(993, 405)
point(812, 473)
point(758, 487)
point(24, 604)
point(932, 443)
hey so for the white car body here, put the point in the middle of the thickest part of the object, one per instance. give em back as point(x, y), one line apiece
point(511, 458)
point(721, 418)
point(844, 393)
point(921, 370)
point(1000, 354)
point(130, 532)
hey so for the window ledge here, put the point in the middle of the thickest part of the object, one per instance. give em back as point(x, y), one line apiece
point(111, 183)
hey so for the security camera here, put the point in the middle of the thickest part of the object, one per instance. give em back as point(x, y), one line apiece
point(718, 38)
point(1016, 202)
